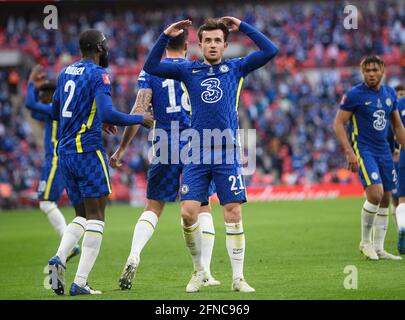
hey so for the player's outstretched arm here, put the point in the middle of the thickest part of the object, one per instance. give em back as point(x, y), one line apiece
point(143, 100)
point(267, 48)
point(110, 115)
point(153, 65)
point(32, 104)
point(398, 127)
point(342, 117)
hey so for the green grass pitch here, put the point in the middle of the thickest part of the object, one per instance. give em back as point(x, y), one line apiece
point(295, 250)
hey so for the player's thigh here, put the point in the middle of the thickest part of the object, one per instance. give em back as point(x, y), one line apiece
point(195, 181)
point(91, 170)
point(163, 182)
point(387, 173)
point(230, 183)
point(70, 181)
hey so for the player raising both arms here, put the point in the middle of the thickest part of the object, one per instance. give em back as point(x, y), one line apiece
point(171, 109)
point(51, 185)
point(371, 107)
point(214, 87)
point(81, 103)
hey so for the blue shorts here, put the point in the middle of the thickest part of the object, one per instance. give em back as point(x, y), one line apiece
point(164, 183)
point(86, 175)
point(228, 179)
point(51, 185)
point(395, 191)
point(377, 169)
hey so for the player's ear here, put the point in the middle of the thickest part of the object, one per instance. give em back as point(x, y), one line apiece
point(225, 45)
point(99, 48)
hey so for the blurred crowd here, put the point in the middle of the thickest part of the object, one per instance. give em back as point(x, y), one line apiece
point(291, 102)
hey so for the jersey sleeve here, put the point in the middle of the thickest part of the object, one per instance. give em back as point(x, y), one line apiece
point(56, 100)
point(39, 116)
point(144, 80)
point(102, 82)
point(348, 102)
point(163, 69)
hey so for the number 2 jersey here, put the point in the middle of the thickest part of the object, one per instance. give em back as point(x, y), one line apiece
point(76, 109)
point(370, 121)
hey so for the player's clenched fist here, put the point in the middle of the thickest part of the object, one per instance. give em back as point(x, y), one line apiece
point(116, 159)
point(353, 162)
point(148, 120)
point(177, 28)
point(109, 128)
point(231, 22)
point(37, 76)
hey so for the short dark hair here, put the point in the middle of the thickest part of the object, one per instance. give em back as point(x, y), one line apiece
point(177, 43)
point(372, 59)
point(213, 24)
point(48, 85)
point(89, 39)
point(399, 87)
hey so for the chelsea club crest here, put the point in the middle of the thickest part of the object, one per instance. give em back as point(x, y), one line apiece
point(224, 68)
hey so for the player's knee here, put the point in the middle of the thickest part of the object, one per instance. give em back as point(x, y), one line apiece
point(155, 206)
point(233, 213)
point(188, 214)
point(47, 206)
point(375, 197)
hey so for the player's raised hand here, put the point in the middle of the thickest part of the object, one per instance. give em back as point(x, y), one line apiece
point(352, 162)
point(116, 159)
point(148, 120)
point(231, 22)
point(37, 76)
point(109, 128)
point(177, 28)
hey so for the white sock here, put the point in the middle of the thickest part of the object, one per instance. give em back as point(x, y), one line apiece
point(207, 240)
point(54, 215)
point(73, 232)
point(400, 215)
point(235, 244)
point(380, 228)
point(144, 229)
point(90, 248)
point(192, 236)
point(368, 214)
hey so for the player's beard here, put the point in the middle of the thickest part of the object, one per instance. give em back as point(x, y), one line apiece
point(104, 60)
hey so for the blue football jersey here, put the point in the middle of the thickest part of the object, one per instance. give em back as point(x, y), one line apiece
point(80, 123)
point(214, 92)
point(370, 121)
point(170, 101)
